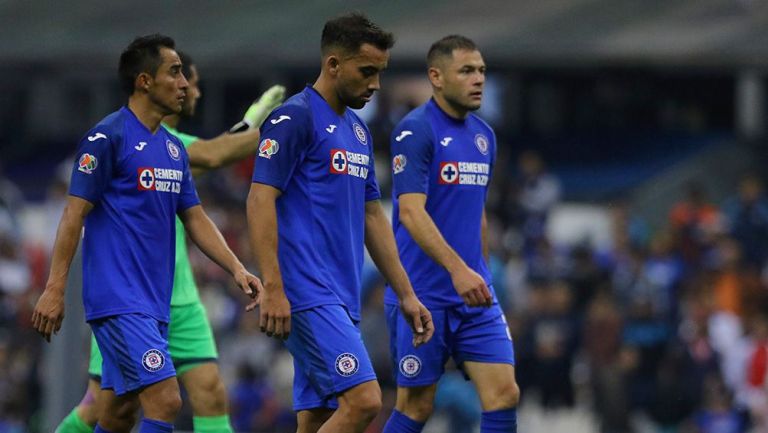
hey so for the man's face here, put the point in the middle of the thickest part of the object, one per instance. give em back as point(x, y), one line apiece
point(193, 93)
point(463, 77)
point(168, 88)
point(359, 74)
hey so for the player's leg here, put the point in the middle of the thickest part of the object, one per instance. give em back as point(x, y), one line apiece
point(193, 349)
point(484, 350)
point(84, 416)
point(136, 368)
point(417, 370)
point(117, 413)
point(330, 360)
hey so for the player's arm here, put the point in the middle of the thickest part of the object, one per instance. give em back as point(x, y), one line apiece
point(49, 311)
point(383, 250)
point(208, 238)
point(274, 309)
point(468, 283)
point(225, 149)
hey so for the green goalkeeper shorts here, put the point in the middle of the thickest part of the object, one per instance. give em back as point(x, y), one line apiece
point(190, 340)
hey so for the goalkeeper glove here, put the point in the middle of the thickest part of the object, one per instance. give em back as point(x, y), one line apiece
point(260, 109)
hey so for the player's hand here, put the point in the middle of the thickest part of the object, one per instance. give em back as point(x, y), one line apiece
point(49, 312)
point(420, 319)
point(274, 312)
point(250, 285)
point(471, 287)
point(260, 109)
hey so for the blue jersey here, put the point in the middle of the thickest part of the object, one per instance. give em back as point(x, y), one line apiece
point(137, 182)
point(449, 160)
point(323, 164)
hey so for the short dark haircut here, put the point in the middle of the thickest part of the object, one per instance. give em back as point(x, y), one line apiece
point(186, 64)
point(350, 31)
point(445, 46)
point(142, 55)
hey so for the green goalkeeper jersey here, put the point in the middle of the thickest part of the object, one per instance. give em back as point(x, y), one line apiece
point(184, 286)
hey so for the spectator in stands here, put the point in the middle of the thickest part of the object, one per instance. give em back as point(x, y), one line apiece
point(746, 216)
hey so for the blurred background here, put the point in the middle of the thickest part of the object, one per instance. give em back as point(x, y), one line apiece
point(628, 218)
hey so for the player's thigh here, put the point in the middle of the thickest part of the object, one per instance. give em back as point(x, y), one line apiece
point(495, 384)
point(190, 337)
point(329, 356)
point(135, 352)
point(310, 420)
point(417, 366)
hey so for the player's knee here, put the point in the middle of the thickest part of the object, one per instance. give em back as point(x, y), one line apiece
point(118, 418)
point(163, 405)
point(88, 413)
point(506, 396)
point(208, 395)
point(364, 403)
point(418, 409)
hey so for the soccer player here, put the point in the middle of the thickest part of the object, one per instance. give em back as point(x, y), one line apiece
point(314, 202)
point(130, 181)
point(190, 338)
point(443, 155)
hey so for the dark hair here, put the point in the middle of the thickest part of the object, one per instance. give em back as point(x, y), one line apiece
point(445, 46)
point(142, 55)
point(186, 64)
point(352, 30)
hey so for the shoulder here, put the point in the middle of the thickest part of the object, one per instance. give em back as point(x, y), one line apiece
point(294, 109)
point(109, 130)
point(481, 125)
point(415, 122)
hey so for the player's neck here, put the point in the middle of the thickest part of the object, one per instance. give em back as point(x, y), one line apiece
point(450, 110)
point(146, 112)
point(326, 90)
point(172, 120)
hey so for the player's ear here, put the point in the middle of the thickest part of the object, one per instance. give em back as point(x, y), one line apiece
point(435, 77)
point(332, 64)
point(143, 81)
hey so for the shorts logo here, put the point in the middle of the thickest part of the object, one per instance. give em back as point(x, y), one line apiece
point(146, 179)
point(410, 366)
point(346, 364)
point(87, 163)
point(360, 133)
point(173, 150)
point(398, 163)
point(481, 141)
point(449, 173)
point(268, 147)
point(338, 161)
point(153, 360)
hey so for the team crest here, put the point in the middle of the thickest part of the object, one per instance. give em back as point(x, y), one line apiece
point(410, 366)
point(153, 360)
point(173, 150)
point(87, 163)
point(398, 163)
point(268, 147)
point(346, 364)
point(481, 141)
point(360, 133)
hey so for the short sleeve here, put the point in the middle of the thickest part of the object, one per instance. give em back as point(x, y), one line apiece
point(372, 191)
point(285, 136)
point(94, 163)
point(412, 149)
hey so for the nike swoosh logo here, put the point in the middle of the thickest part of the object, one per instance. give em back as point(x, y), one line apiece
point(402, 135)
point(96, 136)
point(280, 119)
point(445, 141)
point(140, 146)
point(331, 128)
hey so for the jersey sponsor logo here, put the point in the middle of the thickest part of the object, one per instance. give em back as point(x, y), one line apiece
point(446, 141)
point(362, 137)
point(398, 163)
point(402, 135)
point(268, 147)
point(159, 179)
point(87, 163)
point(349, 163)
point(96, 136)
point(280, 119)
point(173, 150)
point(347, 364)
point(481, 141)
point(410, 366)
point(463, 173)
point(140, 146)
point(330, 128)
point(153, 360)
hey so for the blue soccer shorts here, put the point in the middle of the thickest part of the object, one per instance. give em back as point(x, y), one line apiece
point(135, 351)
point(476, 334)
point(328, 356)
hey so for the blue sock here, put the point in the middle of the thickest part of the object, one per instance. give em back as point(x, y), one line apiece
point(499, 421)
point(98, 429)
point(399, 423)
point(155, 426)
